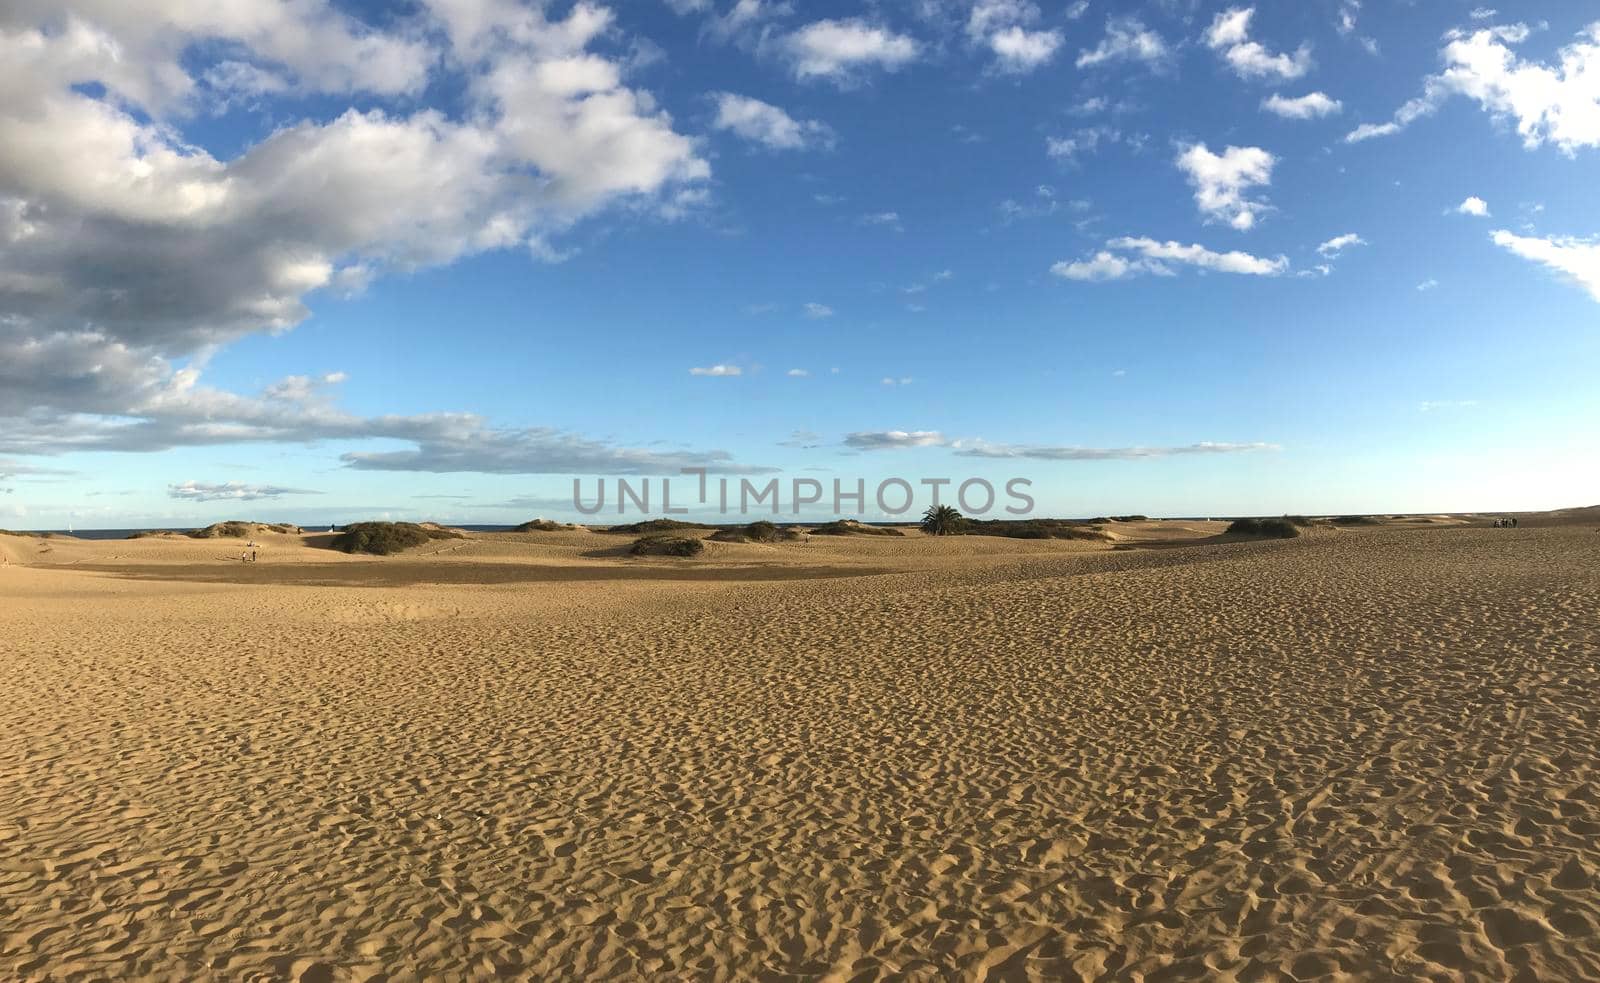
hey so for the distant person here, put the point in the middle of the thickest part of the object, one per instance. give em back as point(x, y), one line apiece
point(252, 556)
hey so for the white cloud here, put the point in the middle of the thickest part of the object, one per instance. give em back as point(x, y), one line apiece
point(1038, 452)
point(1129, 257)
point(1020, 50)
point(892, 381)
point(1105, 265)
point(1084, 141)
point(766, 124)
point(815, 310)
point(1576, 259)
point(1427, 285)
point(1557, 104)
point(86, 392)
point(882, 440)
point(1221, 180)
point(1127, 39)
point(1483, 13)
point(1473, 206)
point(1313, 105)
point(1229, 35)
point(718, 370)
point(889, 220)
point(797, 373)
point(1338, 244)
point(109, 218)
point(158, 242)
point(1006, 27)
point(840, 49)
point(233, 491)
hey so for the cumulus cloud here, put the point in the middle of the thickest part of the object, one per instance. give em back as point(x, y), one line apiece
point(1222, 180)
point(766, 124)
point(1129, 257)
point(798, 373)
point(125, 249)
point(1473, 205)
point(882, 440)
point(1338, 244)
point(840, 50)
point(1576, 259)
point(1229, 36)
point(1040, 452)
point(1557, 103)
point(1126, 39)
point(1006, 27)
point(233, 491)
point(718, 370)
point(815, 310)
point(1312, 105)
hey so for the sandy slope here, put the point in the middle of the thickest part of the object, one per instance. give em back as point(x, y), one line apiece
point(1371, 752)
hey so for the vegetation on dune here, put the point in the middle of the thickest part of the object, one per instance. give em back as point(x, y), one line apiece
point(667, 545)
point(850, 527)
point(543, 525)
point(224, 530)
point(943, 520)
point(236, 529)
point(760, 531)
point(650, 526)
point(1130, 518)
point(1354, 520)
point(1280, 528)
point(153, 533)
point(384, 538)
point(1036, 529)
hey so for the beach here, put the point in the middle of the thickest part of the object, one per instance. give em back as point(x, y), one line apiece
point(1367, 752)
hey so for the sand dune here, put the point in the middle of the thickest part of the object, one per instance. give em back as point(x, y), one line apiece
point(1368, 753)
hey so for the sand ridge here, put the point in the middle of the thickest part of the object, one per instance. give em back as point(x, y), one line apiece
point(1368, 753)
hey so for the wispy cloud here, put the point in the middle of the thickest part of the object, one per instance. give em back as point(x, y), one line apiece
point(718, 370)
point(883, 440)
point(1229, 36)
point(766, 124)
point(232, 491)
point(1126, 39)
point(1130, 257)
point(1578, 260)
point(1039, 452)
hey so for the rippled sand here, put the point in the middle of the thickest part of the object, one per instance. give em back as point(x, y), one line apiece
point(1371, 752)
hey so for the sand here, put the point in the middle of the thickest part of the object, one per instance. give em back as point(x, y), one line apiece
point(1366, 753)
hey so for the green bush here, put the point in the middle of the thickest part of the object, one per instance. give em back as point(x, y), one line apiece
point(850, 527)
point(224, 530)
point(666, 545)
point(1036, 529)
point(1130, 518)
point(1280, 528)
point(542, 525)
point(384, 538)
point(657, 525)
point(1354, 520)
point(760, 531)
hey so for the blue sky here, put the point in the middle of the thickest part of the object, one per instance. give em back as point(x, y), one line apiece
point(336, 261)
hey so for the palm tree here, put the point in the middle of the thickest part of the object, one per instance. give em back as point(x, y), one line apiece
point(941, 520)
